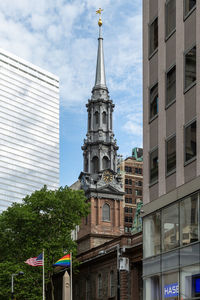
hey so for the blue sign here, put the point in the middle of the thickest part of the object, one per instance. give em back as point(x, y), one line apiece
point(197, 285)
point(171, 290)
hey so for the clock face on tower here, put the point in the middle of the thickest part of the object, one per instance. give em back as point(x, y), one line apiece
point(107, 176)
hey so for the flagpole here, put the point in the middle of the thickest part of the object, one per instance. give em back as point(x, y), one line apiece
point(71, 276)
point(43, 282)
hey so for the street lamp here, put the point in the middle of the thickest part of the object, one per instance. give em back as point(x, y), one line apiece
point(12, 282)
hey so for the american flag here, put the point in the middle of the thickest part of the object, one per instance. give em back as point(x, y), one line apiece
point(35, 261)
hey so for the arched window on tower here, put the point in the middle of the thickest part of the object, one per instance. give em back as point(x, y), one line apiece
point(96, 117)
point(104, 117)
point(86, 165)
point(95, 164)
point(106, 212)
point(105, 163)
point(89, 121)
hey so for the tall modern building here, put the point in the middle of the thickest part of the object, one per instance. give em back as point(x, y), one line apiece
point(29, 129)
point(171, 173)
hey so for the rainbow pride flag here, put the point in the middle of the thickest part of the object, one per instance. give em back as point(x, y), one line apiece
point(65, 261)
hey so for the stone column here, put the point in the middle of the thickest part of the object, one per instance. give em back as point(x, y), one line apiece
point(89, 161)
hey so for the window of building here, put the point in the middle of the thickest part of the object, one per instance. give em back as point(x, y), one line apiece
point(87, 289)
point(190, 141)
point(154, 101)
point(128, 191)
point(171, 154)
point(171, 85)
point(128, 219)
point(100, 289)
point(96, 116)
point(190, 67)
point(170, 286)
point(138, 192)
point(153, 166)
point(188, 5)
point(190, 282)
point(138, 183)
point(189, 220)
point(128, 181)
point(106, 212)
point(170, 16)
point(112, 284)
point(152, 288)
point(153, 36)
point(104, 117)
point(128, 200)
point(170, 227)
point(105, 162)
point(151, 235)
point(128, 169)
point(95, 164)
point(128, 210)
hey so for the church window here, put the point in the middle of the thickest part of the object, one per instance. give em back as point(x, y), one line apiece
point(104, 117)
point(95, 164)
point(112, 284)
point(106, 212)
point(105, 162)
point(100, 290)
point(96, 115)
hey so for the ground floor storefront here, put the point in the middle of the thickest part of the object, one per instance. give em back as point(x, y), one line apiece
point(171, 244)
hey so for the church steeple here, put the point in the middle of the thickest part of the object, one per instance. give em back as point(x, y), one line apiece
point(99, 180)
point(100, 147)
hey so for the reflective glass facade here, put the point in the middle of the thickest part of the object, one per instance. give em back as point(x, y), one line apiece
point(171, 266)
point(29, 129)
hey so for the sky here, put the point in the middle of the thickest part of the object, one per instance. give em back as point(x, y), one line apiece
point(60, 36)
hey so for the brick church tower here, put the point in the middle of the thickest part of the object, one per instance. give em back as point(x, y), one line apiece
point(100, 181)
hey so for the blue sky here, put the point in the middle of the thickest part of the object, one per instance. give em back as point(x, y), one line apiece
point(61, 37)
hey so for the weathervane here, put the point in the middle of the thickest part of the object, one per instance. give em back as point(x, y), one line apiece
point(99, 12)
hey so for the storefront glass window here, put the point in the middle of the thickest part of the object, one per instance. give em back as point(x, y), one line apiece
point(189, 220)
point(170, 228)
point(170, 286)
point(152, 288)
point(151, 235)
point(190, 282)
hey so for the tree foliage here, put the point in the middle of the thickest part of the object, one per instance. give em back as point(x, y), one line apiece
point(44, 220)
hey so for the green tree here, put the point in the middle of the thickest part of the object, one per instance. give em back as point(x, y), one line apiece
point(44, 220)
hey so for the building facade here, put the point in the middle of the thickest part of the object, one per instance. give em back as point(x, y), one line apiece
point(171, 174)
point(131, 170)
point(29, 135)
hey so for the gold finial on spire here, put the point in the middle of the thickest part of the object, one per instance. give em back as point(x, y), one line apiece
point(99, 12)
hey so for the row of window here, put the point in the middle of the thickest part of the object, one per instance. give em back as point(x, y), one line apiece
point(96, 118)
point(129, 182)
point(128, 219)
point(189, 148)
point(130, 170)
point(189, 77)
point(137, 192)
point(128, 210)
point(174, 226)
point(170, 22)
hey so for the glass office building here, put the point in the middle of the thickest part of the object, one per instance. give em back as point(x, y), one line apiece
point(171, 145)
point(29, 129)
